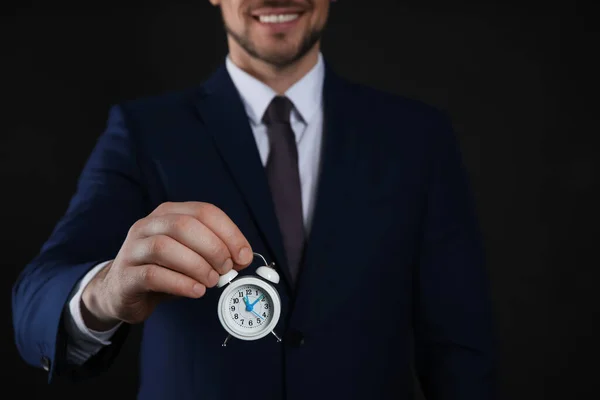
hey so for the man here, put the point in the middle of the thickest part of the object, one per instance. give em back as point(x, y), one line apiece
point(359, 197)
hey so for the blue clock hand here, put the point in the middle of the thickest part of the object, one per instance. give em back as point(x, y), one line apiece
point(249, 306)
point(258, 315)
point(257, 300)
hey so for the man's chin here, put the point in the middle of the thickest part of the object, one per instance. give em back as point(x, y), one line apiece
point(278, 58)
point(273, 51)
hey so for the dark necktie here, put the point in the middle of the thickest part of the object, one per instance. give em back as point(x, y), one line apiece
point(284, 180)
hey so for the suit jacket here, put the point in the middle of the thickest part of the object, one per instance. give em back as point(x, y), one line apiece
point(393, 277)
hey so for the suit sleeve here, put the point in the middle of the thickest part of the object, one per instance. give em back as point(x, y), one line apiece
point(110, 196)
point(82, 342)
point(454, 328)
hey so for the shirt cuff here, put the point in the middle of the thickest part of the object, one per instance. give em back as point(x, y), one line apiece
point(76, 326)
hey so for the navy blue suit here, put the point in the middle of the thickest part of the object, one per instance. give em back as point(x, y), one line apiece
point(394, 269)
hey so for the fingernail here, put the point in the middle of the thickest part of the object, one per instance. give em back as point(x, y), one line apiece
point(227, 265)
point(198, 289)
point(213, 277)
point(245, 255)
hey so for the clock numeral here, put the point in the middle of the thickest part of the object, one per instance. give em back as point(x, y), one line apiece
point(264, 299)
point(236, 316)
point(250, 322)
point(258, 320)
point(248, 291)
point(242, 321)
point(265, 314)
point(241, 294)
point(232, 308)
point(256, 291)
point(236, 301)
point(266, 306)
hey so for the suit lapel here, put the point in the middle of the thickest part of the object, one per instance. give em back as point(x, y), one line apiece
point(223, 113)
point(338, 159)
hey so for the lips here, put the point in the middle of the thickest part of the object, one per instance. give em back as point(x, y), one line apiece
point(277, 15)
point(277, 18)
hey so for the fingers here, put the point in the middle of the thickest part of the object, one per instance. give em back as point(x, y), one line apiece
point(190, 233)
point(154, 278)
point(167, 252)
point(218, 223)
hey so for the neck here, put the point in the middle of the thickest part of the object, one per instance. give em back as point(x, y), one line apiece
point(280, 79)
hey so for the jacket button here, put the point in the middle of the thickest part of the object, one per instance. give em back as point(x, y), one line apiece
point(45, 361)
point(294, 338)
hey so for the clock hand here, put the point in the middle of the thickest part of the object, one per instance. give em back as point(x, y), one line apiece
point(257, 300)
point(258, 315)
point(248, 305)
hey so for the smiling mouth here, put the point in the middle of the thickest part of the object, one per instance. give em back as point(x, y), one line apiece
point(282, 16)
point(277, 18)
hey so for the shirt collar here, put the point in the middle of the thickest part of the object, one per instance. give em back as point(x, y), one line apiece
point(306, 94)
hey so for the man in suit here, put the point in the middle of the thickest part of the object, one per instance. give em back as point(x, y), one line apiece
point(358, 196)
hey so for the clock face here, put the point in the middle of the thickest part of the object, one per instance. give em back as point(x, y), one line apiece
point(249, 308)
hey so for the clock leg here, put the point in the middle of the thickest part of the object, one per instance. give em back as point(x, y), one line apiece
point(226, 340)
point(278, 338)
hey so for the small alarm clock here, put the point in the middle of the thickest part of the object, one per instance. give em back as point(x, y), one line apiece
point(249, 307)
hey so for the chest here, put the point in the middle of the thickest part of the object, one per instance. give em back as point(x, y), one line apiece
point(366, 190)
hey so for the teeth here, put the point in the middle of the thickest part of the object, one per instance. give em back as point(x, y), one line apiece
point(277, 19)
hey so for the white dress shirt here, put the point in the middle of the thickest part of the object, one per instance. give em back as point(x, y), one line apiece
point(307, 123)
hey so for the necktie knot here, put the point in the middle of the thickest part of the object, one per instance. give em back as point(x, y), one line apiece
point(278, 111)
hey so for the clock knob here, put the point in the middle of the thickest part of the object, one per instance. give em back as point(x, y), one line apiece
point(226, 278)
point(268, 273)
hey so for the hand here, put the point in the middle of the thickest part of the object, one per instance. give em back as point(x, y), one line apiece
point(257, 300)
point(178, 250)
point(258, 315)
point(250, 307)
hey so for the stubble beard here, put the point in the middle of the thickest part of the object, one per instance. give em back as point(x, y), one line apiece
point(278, 60)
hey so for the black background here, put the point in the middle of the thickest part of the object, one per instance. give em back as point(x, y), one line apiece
point(518, 78)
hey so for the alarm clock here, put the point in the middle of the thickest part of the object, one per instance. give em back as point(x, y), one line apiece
point(249, 307)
